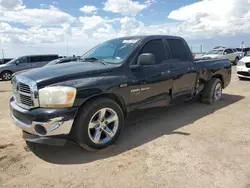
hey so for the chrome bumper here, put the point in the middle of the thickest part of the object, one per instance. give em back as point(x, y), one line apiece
point(51, 128)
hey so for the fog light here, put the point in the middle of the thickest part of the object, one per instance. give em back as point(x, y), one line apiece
point(40, 130)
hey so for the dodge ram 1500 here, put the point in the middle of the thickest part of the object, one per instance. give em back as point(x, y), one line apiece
point(87, 101)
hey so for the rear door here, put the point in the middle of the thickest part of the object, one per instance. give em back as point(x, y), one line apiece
point(183, 69)
point(150, 84)
point(35, 61)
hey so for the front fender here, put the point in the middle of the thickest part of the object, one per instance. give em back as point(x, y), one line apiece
point(95, 86)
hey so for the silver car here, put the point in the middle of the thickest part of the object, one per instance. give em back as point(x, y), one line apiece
point(24, 63)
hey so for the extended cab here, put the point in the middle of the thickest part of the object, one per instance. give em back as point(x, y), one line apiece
point(87, 101)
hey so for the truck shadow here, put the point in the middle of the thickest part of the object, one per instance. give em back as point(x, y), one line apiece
point(141, 127)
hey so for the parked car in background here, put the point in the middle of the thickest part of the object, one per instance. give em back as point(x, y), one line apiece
point(5, 60)
point(223, 53)
point(24, 63)
point(62, 60)
point(87, 101)
point(243, 51)
point(243, 67)
point(198, 55)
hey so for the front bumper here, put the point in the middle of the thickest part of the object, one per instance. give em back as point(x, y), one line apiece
point(243, 71)
point(43, 124)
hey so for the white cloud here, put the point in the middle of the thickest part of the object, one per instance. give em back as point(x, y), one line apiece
point(89, 9)
point(213, 17)
point(90, 22)
point(34, 17)
point(126, 7)
point(11, 4)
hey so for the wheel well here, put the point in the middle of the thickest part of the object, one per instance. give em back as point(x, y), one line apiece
point(219, 77)
point(113, 97)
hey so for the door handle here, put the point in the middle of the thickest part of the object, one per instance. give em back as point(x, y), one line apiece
point(164, 73)
point(192, 68)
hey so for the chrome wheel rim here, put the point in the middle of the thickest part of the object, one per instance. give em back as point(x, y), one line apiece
point(6, 76)
point(103, 126)
point(218, 92)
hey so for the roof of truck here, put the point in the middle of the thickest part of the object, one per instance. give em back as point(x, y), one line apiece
point(146, 36)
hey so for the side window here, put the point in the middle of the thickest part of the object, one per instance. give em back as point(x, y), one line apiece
point(178, 49)
point(35, 59)
point(22, 60)
point(45, 58)
point(155, 47)
point(66, 61)
point(229, 51)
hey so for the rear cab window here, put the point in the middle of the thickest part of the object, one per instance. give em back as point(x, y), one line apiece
point(178, 49)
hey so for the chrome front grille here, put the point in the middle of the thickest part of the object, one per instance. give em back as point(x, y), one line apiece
point(24, 88)
point(25, 92)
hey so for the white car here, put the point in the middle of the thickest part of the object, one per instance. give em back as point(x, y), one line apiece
point(243, 67)
point(224, 53)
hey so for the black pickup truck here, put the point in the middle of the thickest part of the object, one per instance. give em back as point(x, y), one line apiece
point(87, 101)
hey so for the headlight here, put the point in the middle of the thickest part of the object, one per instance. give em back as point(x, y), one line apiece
point(240, 63)
point(57, 97)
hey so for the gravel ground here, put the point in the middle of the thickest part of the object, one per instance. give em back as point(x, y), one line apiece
point(188, 145)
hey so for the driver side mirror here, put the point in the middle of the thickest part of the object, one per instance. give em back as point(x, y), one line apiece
point(17, 62)
point(225, 53)
point(146, 59)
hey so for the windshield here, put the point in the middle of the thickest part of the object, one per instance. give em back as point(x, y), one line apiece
point(54, 62)
point(12, 61)
point(113, 51)
point(215, 52)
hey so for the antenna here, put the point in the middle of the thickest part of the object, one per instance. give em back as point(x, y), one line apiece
point(67, 46)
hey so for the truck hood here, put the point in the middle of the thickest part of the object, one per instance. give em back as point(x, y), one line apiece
point(62, 72)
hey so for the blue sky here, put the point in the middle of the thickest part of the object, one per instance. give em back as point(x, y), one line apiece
point(46, 26)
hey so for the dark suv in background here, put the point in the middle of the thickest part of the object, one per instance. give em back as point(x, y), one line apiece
point(5, 60)
point(24, 63)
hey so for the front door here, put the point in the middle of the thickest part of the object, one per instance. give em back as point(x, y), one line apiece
point(150, 84)
point(22, 64)
point(229, 54)
point(183, 69)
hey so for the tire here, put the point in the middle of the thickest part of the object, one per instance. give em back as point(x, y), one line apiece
point(91, 128)
point(236, 60)
point(212, 91)
point(240, 78)
point(6, 75)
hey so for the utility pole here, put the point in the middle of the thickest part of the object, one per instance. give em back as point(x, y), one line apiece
point(3, 54)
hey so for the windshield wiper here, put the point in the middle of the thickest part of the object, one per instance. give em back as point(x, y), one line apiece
point(95, 59)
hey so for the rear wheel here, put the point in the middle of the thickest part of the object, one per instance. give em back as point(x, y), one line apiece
point(212, 91)
point(98, 124)
point(6, 75)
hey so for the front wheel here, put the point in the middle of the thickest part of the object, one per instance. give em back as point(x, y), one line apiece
point(98, 124)
point(6, 75)
point(212, 91)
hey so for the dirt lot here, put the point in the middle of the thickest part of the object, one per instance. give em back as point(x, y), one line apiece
point(188, 145)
